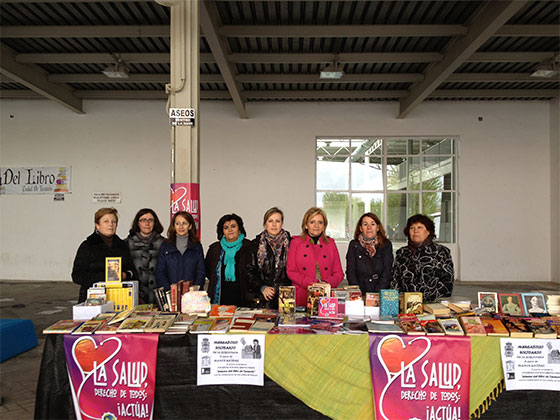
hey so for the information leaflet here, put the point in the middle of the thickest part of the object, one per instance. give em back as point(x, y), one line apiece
point(230, 359)
point(531, 363)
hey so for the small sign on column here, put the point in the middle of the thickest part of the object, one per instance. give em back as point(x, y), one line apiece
point(182, 116)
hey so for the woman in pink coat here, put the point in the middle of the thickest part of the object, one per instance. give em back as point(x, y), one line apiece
point(313, 257)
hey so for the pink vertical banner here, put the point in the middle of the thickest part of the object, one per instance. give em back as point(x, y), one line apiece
point(112, 376)
point(419, 377)
point(186, 197)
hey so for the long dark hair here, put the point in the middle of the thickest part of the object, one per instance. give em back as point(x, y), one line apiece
point(158, 228)
point(172, 234)
point(381, 235)
point(226, 218)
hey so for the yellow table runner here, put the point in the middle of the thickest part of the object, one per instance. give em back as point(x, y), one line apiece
point(332, 374)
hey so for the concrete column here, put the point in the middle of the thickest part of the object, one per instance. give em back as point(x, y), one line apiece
point(184, 89)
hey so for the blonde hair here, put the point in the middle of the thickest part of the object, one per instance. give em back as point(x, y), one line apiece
point(309, 214)
point(270, 212)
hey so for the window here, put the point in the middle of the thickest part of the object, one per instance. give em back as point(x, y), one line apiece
point(393, 177)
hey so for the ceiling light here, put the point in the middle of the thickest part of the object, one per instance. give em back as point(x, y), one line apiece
point(547, 69)
point(117, 70)
point(333, 70)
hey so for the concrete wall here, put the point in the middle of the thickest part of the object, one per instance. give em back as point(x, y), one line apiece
point(247, 166)
point(555, 189)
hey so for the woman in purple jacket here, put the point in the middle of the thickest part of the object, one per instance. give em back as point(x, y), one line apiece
point(313, 257)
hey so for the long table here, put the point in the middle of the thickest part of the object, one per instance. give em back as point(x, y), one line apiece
point(307, 377)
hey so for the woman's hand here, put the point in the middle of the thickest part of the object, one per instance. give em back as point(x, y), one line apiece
point(269, 292)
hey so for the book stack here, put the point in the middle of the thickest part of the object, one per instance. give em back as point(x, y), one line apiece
point(553, 304)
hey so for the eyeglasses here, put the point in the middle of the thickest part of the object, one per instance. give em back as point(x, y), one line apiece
point(146, 220)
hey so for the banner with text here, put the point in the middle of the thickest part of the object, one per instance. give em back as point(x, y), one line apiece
point(186, 197)
point(531, 363)
point(35, 180)
point(419, 377)
point(112, 377)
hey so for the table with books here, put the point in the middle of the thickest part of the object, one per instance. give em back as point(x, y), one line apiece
point(310, 374)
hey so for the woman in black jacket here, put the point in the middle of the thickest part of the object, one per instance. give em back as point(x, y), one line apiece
point(89, 264)
point(227, 261)
point(267, 266)
point(370, 256)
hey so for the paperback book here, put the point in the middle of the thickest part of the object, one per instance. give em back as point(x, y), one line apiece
point(88, 327)
point(540, 328)
point(494, 327)
point(488, 300)
point(388, 303)
point(437, 309)
point(261, 327)
point(65, 326)
point(412, 303)
point(432, 327)
point(201, 326)
point(286, 299)
point(516, 327)
point(473, 325)
point(220, 325)
point(410, 324)
point(451, 326)
point(383, 328)
point(134, 324)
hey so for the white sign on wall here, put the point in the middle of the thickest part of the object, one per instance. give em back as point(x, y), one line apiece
point(181, 116)
point(106, 197)
point(230, 359)
point(35, 180)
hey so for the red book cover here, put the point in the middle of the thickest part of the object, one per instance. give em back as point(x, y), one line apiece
point(328, 307)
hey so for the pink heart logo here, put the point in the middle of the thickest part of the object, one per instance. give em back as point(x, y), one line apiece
point(87, 354)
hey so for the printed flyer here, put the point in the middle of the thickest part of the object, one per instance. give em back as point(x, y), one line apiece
point(531, 363)
point(419, 377)
point(112, 377)
point(230, 359)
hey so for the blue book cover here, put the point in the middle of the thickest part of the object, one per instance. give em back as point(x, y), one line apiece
point(388, 303)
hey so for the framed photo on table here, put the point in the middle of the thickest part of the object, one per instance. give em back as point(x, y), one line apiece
point(113, 269)
point(488, 300)
point(511, 304)
point(534, 303)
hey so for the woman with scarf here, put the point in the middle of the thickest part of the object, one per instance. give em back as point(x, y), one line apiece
point(267, 266)
point(89, 264)
point(423, 265)
point(181, 256)
point(370, 256)
point(313, 256)
point(144, 240)
point(227, 261)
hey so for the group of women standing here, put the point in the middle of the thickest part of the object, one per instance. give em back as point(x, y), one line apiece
point(246, 272)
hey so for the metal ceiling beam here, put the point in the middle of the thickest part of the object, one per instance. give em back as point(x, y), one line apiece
point(92, 58)
point(35, 78)
point(133, 78)
point(498, 77)
point(314, 78)
point(490, 17)
point(340, 31)
point(495, 93)
point(510, 57)
point(311, 58)
point(209, 23)
point(84, 31)
point(223, 94)
point(528, 30)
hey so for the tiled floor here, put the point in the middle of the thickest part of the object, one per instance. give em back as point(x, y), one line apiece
point(47, 302)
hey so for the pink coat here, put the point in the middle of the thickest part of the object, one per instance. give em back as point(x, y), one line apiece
point(301, 266)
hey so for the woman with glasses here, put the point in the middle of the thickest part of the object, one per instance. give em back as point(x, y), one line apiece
point(89, 264)
point(181, 256)
point(144, 241)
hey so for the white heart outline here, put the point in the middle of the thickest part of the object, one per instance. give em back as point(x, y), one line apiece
point(85, 377)
point(392, 377)
point(175, 204)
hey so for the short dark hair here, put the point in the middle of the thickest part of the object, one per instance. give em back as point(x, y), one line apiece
point(135, 228)
point(381, 235)
point(227, 218)
point(172, 234)
point(420, 218)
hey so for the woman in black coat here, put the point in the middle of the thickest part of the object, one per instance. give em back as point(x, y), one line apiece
point(370, 256)
point(267, 266)
point(227, 261)
point(144, 240)
point(89, 264)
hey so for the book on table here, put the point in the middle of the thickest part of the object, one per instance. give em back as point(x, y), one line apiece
point(437, 309)
point(411, 302)
point(286, 299)
point(64, 326)
point(472, 325)
point(388, 303)
point(89, 327)
point(451, 326)
point(201, 325)
point(432, 327)
point(540, 328)
point(160, 323)
point(516, 327)
point(261, 327)
point(410, 324)
point(222, 311)
point(383, 327)
point(241, 324)
point(134, 324)
point(494, 327)
point(220, 325)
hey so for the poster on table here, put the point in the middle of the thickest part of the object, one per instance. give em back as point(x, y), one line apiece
point(230, 359)
point(112, 377)
point(419, 377)
point(531, 363)
point(35, 180)
point(186, 197)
